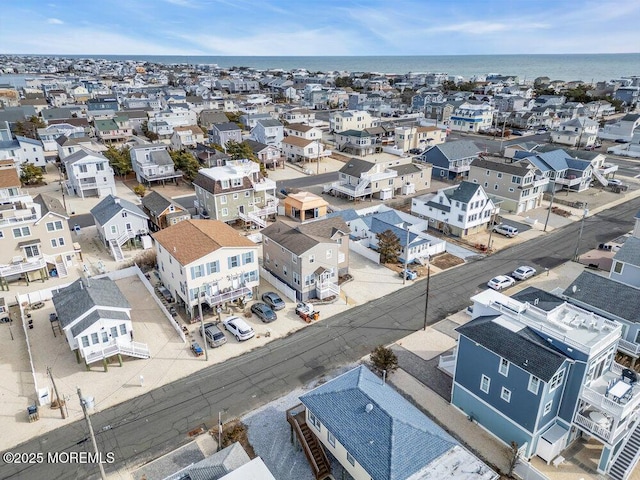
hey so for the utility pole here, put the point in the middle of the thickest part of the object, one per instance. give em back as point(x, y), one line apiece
point(553, 195)
point(318, 159)
point(576, 256)
point(426, 297)
point(55, 389)
point(406, 258)
point(206, 350)
point(103, 475)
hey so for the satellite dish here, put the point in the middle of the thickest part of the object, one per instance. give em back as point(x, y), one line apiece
point(369, 407)
point(574, 289)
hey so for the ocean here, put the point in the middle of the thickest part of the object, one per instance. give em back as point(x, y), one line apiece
point(585, 67)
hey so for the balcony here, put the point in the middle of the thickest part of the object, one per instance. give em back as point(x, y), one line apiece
point(18, 217)
point(22, 267)
point(597, 395)
point(327, 289)
point(161, 176)
point(263, 185)
point(536, 183)
point(375, 177)
point(629, 348)
point(460, 167)
point(227, 295)
point(569, 181)
point(608, 168)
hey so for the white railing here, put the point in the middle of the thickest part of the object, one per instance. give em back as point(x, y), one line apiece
point(380, 176)
point(18, 219)
point(222, 297)
point(346, 189)
point(326, 289)
point(447, 363)
point(22, 267)
point(628, 347)
point(251, 217)
point(568, 181)
point(608, 405)
point(115, 347)
point(116, 250)
point(592, 426)
point(264, 184)
point(608, 168)
point(603, 181)
point(288, 292)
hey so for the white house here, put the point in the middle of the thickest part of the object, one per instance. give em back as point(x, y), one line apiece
point(96, 320)
point(49, 134)
point(351, 120)
point(89, 174)
point(460, 210)
point(269, 132)
point(206, 261)
point(151, 163)
point(471, 117)
point(297, 149)
point(581, 132)
point(621, 129)
point(119, 221)
point(303, 131)
point(22, 150)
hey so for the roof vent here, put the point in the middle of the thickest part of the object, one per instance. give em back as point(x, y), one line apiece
point(369, 407)
point(536, 301)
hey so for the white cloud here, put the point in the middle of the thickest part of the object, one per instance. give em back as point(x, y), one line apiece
point(55, 21)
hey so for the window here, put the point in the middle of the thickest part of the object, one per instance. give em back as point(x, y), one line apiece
point(100, 166)
point(329, 253)
point(314, 420)
point(294, 259)
point(105, 337)
point(499, 175)
point(534, 384)
point(495, 187)
point(235, 196)
point(556, 381)
point(547, 407)
point(460, 218)
point(85, 341)
point(236, 182)
point(312, 258)
point(247, 258)
point(485, 382)
point(197, 271)
point(114, 332)
point(234, 261)
point(32, 251)
point(296, 278)
point(350, 459)
point(617, 267)
point(284, 270)
point(223, 199)
point(225, 184)
point(505, 395)
point(53, 226)
point(213, 267)
point(486, 184)
point(331, 439)
point(504, 367)
point(247, 194)
point(511, 189)
point(515, 179)
point(225, 212)
point(82, 168)
point(21, 232)
point(114, 229)
point(310, 280)
point(488, 173)
point(94, 338)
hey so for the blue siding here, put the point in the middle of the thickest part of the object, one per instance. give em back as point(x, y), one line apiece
point(573, 383)
point(485, 416)
point(436, 172)
point(524, 405)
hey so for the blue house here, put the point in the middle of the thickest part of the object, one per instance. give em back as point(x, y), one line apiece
point(376, 434)
point(451, 160)
point(540, 372)
point(563, 170)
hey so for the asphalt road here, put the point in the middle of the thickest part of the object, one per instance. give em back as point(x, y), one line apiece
point(145, 427)
point(84, 220)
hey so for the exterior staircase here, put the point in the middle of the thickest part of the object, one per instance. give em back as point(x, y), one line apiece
point(115, 347)
point(116, 251)
point(603, 181)
point(310, 444)
point(628, 456)
point(61, 268)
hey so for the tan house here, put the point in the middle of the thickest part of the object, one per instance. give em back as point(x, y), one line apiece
point(519, 185)
point(34, 234)
point(186, 137)
point(305, 206)
point(303, 131)
point(308, 257)
point(414, 137)
point(298, 149)
point(162, 211)
point(206, 261)
point(411, 178)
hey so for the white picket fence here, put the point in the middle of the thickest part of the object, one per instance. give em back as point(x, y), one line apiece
point(289, 292)
point(366, 252)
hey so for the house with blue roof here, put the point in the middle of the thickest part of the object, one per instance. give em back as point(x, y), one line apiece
point(451, 160)
point(541, 372)
point(375, 433)
point(564, 171)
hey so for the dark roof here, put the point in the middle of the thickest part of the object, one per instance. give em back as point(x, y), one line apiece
point(256, 146)
point(406, 169)
point(605, 295)
point(50, 204)
point(155, 203)
point(389, 437)
point(355, 167)
point(456, 150)
point(215, 186)
point(269, 123)
point(94, 316)
point(464, 192)
point(541, 299)
point(161, 157)
point(109, 207)
point(524, 348)
point(82, 295)
point(289, 237)
point(324, 228)
point(510, 168)
point(629, 252)
point(225, 127)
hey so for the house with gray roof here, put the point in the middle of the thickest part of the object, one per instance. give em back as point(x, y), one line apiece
point(308, 257)
point(460, 210)
point(210, 117)
point(451, 160)
point(577, 132)
point(564, 171)
point(269, 155)
point(268, 131)
point(221, 133)
point(626, 263)
point(359, 179)
point(374, 432)
point(152, 164)
point(162, 211)
point(96, 320)
point(119, 221)
point(519, 185)
point(357, 142)
point(88, 174)
point(543, 374)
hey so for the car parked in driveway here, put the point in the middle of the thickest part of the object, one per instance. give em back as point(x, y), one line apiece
point(273, 300)
point(506, 230)
point(501, 282)
point(614, 182)
point(238, 328)
point(215, 336)
point(523, 272)
point(264, 312)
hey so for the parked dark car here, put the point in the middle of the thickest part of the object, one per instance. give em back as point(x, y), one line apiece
point(263, 312)
point(215, 336)
point(166, 294)
point(273, 300)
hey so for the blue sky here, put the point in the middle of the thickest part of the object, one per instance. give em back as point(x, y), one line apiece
point(319, 27)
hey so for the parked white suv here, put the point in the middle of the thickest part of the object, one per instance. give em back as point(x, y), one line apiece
point(506, 230)
point(238, 328)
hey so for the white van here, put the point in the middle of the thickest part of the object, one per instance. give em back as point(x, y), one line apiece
point(506, 230)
